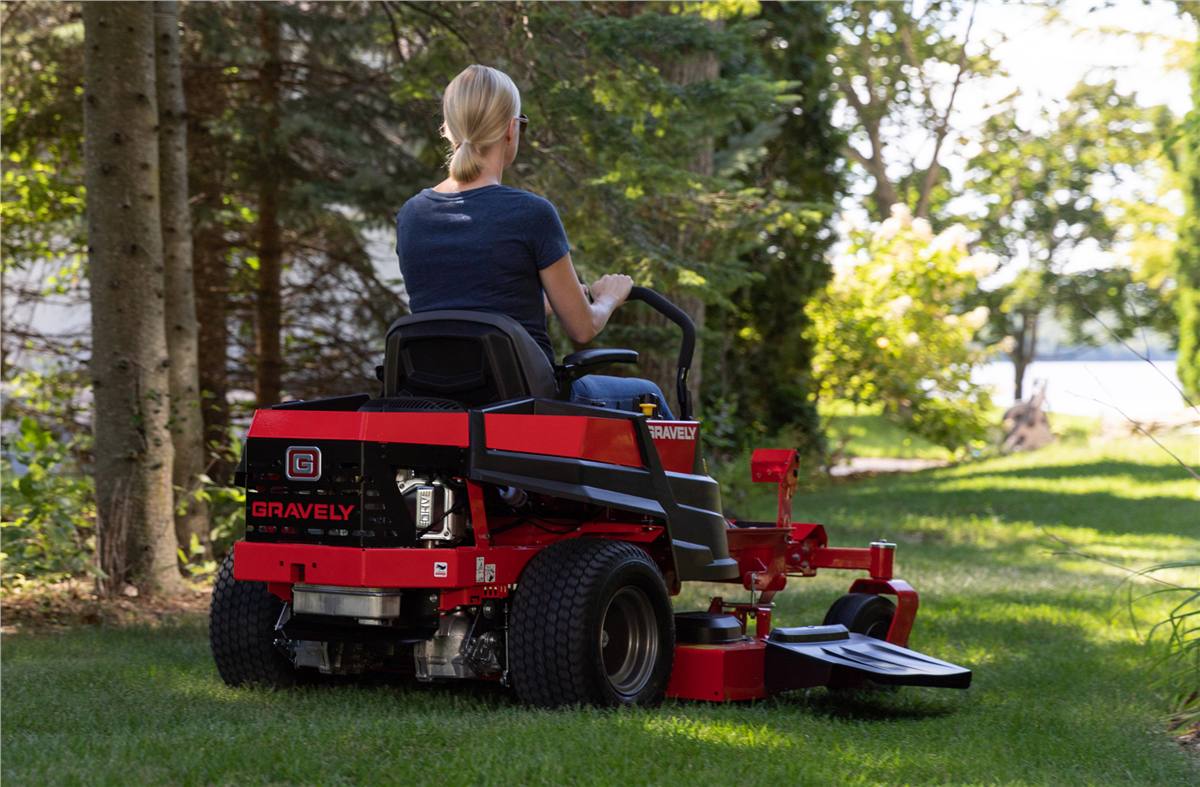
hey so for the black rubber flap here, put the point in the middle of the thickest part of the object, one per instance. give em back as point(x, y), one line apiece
point(830, 633)
point(706, 628)
point(854, 661)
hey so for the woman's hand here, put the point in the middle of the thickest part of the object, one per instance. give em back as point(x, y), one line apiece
point(611, 289)
point(569, 299)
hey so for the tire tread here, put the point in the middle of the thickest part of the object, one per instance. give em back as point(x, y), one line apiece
point(241, 633)
point(548, 625)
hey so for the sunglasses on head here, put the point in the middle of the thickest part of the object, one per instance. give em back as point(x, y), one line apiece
point(522, 122)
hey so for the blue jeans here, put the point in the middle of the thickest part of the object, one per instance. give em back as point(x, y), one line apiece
point(618, 393)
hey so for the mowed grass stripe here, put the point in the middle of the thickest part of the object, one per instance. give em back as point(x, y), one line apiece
point(1061, 696)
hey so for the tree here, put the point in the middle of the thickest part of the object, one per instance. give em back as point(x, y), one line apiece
point(43, 242)
point(1187, 248)
point(1043, 186)
point(762, 335)
point(887, 69)
point(267, 306)
point(187, 427)
point(133, 453)
point(893, 328)
point(284, 199)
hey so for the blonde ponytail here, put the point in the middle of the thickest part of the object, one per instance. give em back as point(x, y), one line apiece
point(477, 109)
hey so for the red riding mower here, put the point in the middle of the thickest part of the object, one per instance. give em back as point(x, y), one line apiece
point(470, 523)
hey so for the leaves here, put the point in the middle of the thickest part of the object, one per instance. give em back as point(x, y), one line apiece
point(893, 328)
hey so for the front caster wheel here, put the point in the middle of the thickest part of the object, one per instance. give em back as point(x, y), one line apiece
point(863, 613)
point(591, 624)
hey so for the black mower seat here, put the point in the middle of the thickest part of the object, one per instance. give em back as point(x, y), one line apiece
point(475, 358)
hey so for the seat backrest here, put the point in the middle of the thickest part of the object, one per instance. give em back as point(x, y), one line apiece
point(474, 358)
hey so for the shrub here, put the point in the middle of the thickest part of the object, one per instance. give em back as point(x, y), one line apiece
point(890, 329)
point(48, 513)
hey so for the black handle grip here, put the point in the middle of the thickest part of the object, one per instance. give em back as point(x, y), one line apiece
point(687, 347)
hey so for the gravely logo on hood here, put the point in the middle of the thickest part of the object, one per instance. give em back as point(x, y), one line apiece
point(274, 509)
point(673, 431)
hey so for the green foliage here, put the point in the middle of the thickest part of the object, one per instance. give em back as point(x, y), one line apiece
point(42, 190)
point(1180, 631)
point(897, 64)
point(1187, 248)
point(759, 345)
point(49, 515)
point(889, 330)
point(1041, 185)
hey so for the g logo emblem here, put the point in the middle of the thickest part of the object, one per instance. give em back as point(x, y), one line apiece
point(303, 463)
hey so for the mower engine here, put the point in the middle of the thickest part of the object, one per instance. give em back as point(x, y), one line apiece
point(436, 506)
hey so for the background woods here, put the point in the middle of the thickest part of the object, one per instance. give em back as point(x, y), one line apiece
point(198, 205)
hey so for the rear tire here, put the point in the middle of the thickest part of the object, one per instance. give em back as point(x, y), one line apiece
point(591, 623)
point(863, 613)
point(241, 632)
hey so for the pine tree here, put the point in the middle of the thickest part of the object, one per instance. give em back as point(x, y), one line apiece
point(125, 256)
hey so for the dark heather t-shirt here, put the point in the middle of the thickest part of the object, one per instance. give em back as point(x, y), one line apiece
point(482, 250)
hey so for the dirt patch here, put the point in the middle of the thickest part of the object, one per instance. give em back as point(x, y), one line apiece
point(72, 603)
point(866, 466)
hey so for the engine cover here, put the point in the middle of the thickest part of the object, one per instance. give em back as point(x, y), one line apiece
point(437, 508)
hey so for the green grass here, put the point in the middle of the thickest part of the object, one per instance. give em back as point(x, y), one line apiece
point(1061, 693)
point(864, 431)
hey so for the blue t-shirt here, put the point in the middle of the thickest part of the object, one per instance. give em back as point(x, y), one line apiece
point(482, 250)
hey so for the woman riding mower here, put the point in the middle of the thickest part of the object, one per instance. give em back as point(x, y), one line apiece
point(472, 243)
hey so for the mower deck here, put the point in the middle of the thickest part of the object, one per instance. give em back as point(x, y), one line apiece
point(752, 667)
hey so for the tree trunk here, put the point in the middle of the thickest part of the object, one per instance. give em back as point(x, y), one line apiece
point(187, 425)
point(206, 100)
point(211, 277)
point(129, 364)
point(268, 302)
point(1025, 352)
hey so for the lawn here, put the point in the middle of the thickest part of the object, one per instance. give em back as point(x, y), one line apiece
point(1061, 692)
point(863, 430)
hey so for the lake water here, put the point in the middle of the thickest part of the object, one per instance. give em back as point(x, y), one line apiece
point(1092, 388)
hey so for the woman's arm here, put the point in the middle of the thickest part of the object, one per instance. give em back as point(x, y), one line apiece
point(582, 320)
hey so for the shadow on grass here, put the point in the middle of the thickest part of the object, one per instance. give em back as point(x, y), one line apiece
point(1101, 511)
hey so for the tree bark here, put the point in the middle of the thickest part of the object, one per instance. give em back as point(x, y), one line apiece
point(187, 425)
point(211, 277)
point(206, 100)
point(268, 301)
point(1025, 352)
point(129, 364)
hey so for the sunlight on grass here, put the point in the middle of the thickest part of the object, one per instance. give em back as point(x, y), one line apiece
point(863, 430)
point(1063, 688)
point(725, 733)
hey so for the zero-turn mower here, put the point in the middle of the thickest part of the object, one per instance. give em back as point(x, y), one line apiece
point(470, 523)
